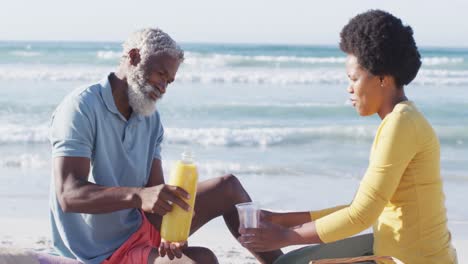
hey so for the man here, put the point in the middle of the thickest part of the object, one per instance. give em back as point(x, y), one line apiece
point(108, 194)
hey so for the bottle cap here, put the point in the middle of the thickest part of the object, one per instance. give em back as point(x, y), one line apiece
point(187, 156)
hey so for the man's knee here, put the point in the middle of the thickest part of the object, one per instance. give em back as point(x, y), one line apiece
point(201, 255)
point(232, 187)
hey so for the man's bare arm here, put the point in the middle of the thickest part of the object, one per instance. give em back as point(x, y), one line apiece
point(76, 194)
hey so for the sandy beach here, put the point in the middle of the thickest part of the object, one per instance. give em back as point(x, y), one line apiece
point(33, 234)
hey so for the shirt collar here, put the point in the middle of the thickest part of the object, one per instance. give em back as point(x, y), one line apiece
point(106, 93)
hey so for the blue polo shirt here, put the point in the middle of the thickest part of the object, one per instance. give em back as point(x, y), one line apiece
point(88, 124)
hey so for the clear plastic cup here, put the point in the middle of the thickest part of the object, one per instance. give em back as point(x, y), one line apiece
point(249, 214)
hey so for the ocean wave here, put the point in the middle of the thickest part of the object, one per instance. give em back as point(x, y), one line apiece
point(213, 136)
point(306, 77)
point(444, 73)
point(278, 105)
point(213, 168)
point(187, 74)
point(264, 136)
point(108, 55)
point(441, 77)
point(206, 168)
point(217, 60)
point(262, 76)
point(228, 137)
point(53, 73)
point(30, 161)
point(22, 53)
point(10, 133)
point(431, 61)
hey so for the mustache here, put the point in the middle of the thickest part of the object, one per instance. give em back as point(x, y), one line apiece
point(153, 92)
point(148, 88)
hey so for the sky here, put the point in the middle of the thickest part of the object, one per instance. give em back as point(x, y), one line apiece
point(435, 23)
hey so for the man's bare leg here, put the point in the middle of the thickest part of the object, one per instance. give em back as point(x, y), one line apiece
point(218, 197)
point(215, 197)
point(192, 255)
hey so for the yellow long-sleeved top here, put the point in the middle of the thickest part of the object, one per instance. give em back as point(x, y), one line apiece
point(400, 195)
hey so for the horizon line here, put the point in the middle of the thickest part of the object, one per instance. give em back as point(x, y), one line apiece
point(215, 43)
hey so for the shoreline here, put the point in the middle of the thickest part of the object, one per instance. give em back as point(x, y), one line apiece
point(34, 234)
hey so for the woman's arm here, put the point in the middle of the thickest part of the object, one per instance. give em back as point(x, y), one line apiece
point(286, 219)
point(394, 148)
point(291, 219)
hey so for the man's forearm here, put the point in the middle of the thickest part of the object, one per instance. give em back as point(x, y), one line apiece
point(89, 198)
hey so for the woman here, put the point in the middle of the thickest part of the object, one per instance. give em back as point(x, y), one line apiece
point(401, 193)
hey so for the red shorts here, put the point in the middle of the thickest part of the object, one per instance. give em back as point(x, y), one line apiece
point(138, 247)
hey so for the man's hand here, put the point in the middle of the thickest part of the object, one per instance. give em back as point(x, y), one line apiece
point(160, 198)
point(171, 249)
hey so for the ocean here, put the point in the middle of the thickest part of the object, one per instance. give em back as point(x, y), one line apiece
point(276, 116)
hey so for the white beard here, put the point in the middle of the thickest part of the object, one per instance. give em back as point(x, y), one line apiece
point(138, 88)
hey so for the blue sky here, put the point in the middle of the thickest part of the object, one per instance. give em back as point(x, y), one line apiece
point(436, 23)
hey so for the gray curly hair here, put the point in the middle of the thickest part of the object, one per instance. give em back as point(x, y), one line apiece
point(151, 41)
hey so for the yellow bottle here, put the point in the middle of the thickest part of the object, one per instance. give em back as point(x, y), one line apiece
point(176, 224)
